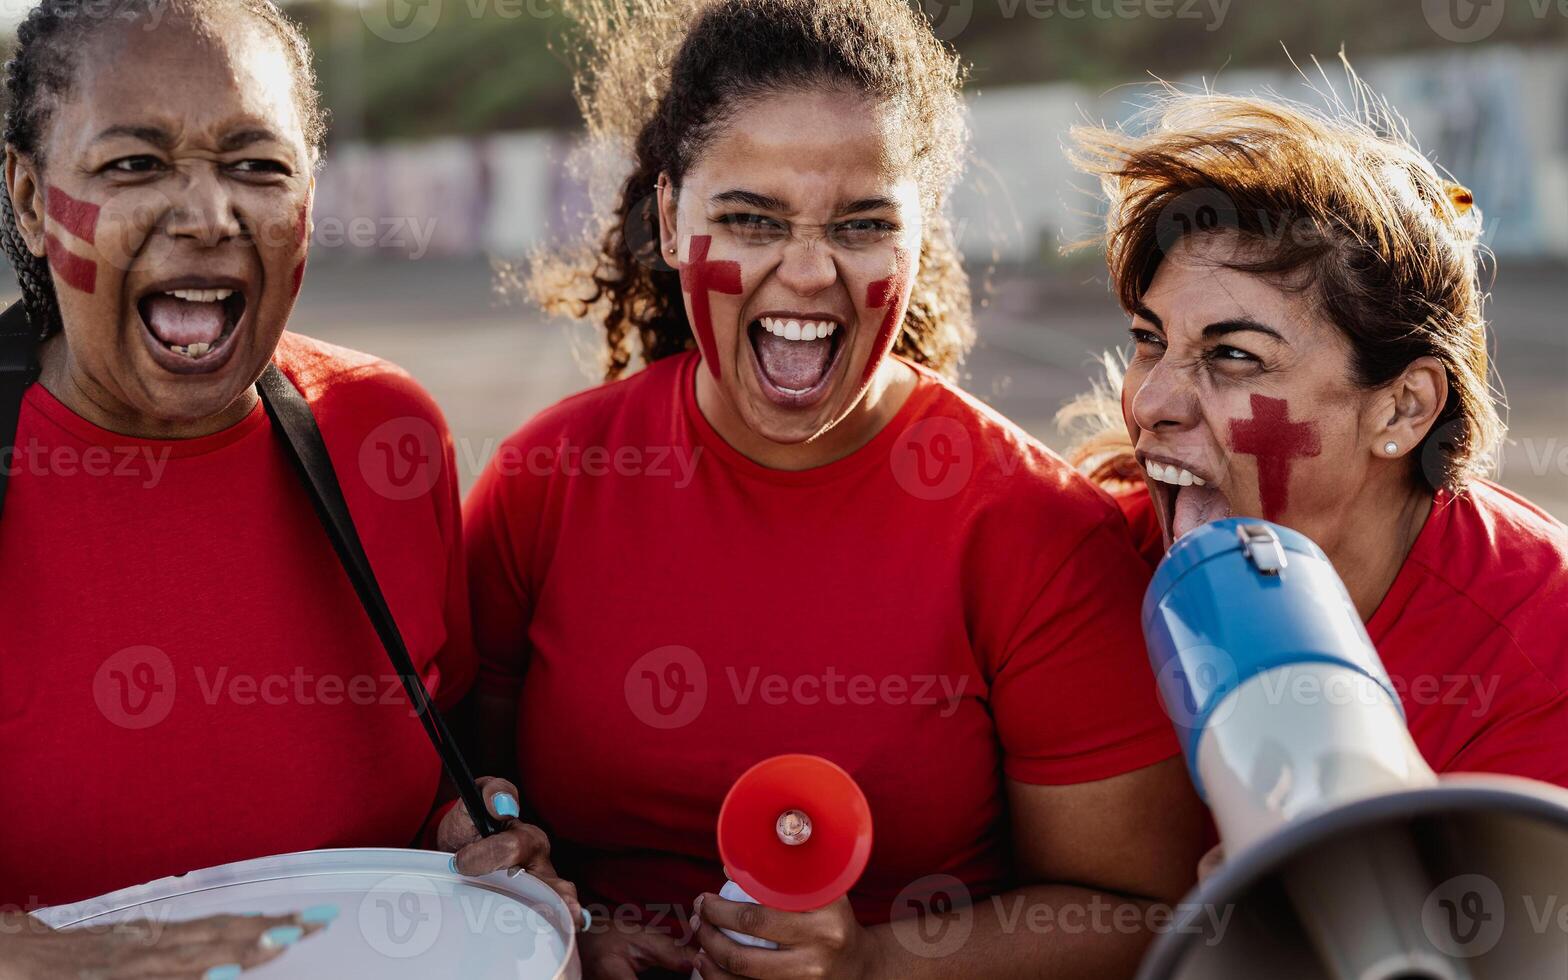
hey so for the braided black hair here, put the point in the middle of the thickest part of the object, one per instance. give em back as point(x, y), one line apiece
point(41, 70)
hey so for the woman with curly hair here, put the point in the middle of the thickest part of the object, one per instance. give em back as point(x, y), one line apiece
point(1310, 348)
point(848, 555)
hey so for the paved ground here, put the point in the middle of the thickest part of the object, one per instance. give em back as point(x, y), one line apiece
point(492, 365)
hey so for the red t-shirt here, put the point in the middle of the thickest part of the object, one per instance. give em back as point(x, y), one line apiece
point(1473, 632)
point(186, 675)
point(949, 604)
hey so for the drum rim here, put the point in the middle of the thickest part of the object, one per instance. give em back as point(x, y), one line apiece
point(392, 860)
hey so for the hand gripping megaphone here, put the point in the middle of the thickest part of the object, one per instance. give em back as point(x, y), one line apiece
point(794, 834)
point(1346, 858)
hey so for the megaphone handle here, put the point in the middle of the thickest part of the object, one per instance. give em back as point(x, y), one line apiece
point(736, 893)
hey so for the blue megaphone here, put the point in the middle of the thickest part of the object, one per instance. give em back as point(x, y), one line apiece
point(1345, 857)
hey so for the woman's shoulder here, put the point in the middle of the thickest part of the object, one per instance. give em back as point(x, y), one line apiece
point(1010, 470)
point(590, 416)
point(345, 386)
point(1508, 559)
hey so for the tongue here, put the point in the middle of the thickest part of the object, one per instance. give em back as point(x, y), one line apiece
point(1197, 506)
point(796, 364)
point(175, 321)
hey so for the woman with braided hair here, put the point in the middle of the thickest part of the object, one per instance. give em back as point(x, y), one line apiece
point(790, 531)
point(187, 677)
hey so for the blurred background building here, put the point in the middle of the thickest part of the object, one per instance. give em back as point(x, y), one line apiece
point(453, 120)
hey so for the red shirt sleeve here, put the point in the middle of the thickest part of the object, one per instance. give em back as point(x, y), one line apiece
point(498, 524)
point(458, 662)
point(1074, 697)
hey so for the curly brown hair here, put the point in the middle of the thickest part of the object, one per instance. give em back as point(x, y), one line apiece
point(656, 79)
point(1387, 247)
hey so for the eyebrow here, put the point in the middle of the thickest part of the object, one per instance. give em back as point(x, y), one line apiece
point(764, 202)
point(163, 139)
point(1217, 329)
point(1238, 324)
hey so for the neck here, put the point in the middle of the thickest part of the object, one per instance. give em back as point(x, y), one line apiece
point(65, 377)
point(890, 387)
point(1369, 555)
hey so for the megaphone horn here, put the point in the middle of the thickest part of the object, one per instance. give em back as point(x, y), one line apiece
point(1346, 857)
point(794, 834)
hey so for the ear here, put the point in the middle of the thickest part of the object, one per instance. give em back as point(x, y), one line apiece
point(669, 238)
point(1410, 405)
point(26, 190)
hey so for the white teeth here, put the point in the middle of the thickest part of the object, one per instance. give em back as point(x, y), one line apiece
point(799, 329)
point(1175, 475)
point(202, 295)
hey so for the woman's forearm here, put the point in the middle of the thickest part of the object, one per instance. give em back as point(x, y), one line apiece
point(1059, 931)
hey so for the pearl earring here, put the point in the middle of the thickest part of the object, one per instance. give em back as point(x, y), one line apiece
point(1390, 448)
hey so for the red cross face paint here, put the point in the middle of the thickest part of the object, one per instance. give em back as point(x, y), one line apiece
point(891, 293)
point(1275, 442)
point(699, 277)
point(78, 220)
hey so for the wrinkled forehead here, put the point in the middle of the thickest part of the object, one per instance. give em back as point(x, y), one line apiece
point(1203, 279)
point(812, 149)
point(187, 74)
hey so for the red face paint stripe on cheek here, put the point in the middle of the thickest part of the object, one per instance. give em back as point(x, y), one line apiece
point(883, 292)
point(298, 278)
point(80, 218)
point(700, 277)
point(1275, 440)
point(75, 271)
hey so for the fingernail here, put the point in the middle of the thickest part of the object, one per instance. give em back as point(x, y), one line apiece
point(505, 805)
point(453, 865)
point(319, 913)
point(228, 971)
point(280, 937)
point(691, 924)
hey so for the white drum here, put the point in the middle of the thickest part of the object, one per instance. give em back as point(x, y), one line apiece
point(401, 914)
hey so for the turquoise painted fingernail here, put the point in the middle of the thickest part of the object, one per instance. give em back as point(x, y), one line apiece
point(453, 865)
point(319, 913)
point(505, 805)
point(228, 971)
point(279, 937)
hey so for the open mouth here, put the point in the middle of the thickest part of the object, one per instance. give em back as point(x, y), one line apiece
point(190, 329)
point(1186, 499)
point(795, 357)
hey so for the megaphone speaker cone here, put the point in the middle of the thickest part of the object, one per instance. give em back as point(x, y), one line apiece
point(795, 832)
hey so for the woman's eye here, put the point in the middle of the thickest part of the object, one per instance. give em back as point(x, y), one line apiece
point(862, 231)
point(260, 167)
point(1232, 355)
point(1146, 338)
point(753, 229)
point(141, 164)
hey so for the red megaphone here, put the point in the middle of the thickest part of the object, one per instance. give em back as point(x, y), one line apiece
point(795, 832)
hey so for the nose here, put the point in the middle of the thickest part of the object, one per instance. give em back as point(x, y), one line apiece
point(1166, 401)
point(806, 268)
point(202, 208)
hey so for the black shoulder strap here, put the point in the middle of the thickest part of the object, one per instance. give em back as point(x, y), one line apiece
point(18, 370)
point(291, 415)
